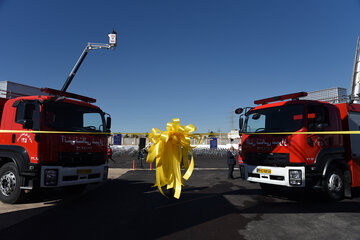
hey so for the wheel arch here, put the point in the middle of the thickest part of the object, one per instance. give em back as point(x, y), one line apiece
point(4, 160)
point(16, 154)
point(329, 156)
point(335, 157)
point(345, 168)
point(339, 162)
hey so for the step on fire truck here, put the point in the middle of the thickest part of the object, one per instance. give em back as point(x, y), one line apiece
point(275, 153)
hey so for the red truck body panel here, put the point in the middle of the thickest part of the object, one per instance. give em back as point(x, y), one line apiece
point(50, 145)
point(36, 151)
point(308, 153)
point(295, 144)
point(353, 160)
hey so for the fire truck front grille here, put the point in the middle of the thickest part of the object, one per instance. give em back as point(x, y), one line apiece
point(267, 159)
point(72, 159)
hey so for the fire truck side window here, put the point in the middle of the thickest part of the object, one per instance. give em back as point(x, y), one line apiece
point(318, 117)
point(93, 121)
point(28, 111)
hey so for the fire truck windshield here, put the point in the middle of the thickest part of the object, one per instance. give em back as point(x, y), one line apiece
point(287, 118)
point(71, 117)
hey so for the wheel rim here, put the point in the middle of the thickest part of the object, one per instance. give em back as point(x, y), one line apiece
point(335, 183)
point(7, 183)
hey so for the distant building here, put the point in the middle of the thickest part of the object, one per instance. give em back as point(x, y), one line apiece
point(330, 95)
point(234, 134)
point(12, 90)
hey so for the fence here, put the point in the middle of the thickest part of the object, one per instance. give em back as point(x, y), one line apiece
point(222, 139)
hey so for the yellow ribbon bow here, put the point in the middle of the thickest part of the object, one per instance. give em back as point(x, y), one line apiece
point(170, 148)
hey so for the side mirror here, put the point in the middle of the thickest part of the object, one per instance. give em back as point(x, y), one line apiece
point(239, 110)
point(320, 126)
point(108, 123)
point(256, 116)
point(241, 124)
point(28, 124)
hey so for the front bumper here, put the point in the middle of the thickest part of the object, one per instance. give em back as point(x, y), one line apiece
point(67, 176)
point(273, 175)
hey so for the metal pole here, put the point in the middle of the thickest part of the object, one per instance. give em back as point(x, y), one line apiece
point(355, 69)
point(75, 69)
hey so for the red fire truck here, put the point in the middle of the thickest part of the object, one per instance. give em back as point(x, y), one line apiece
point(50, 157)
point(303, 143)
point(276, 153)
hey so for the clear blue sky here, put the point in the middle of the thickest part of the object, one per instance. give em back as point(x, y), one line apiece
point(191, 59)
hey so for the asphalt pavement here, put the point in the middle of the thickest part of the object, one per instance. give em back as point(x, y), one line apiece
point(210, 207)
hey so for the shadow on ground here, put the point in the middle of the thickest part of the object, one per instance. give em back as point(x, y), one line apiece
point(129, 208)
point(210, 207)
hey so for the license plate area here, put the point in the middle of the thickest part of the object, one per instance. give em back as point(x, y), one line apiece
point(263, 170)
point(84, 171)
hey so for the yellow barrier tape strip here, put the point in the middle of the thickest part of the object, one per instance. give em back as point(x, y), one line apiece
point(260, 133)
point(290, 133)
point(52, 132)
point(203, 134)
point(100, 133)
point(198, 134)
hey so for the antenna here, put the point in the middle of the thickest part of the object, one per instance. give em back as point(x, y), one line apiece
point(90, 46)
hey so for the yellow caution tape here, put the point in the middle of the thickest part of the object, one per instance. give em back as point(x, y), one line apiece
point(145, 134)
point(170, 148)
point(52, 132)
point(116, 133)
point(99, 133)
point(198, 134)
point(259, 133)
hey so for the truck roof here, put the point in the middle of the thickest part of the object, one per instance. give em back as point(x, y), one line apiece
point(52, 98)
point(277, 104)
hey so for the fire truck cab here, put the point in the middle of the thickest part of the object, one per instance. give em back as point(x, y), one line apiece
point(51, 141)
point(296, 143)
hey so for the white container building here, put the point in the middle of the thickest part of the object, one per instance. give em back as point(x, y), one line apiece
point(330, 95)
point(12, 90)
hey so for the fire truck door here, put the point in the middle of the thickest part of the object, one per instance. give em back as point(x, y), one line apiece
point(354, 125)
point(317, 120)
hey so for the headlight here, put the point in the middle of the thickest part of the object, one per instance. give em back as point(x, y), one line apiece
point(51, 177)
point(295, 177)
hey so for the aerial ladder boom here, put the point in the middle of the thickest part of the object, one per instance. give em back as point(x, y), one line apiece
point(355, 82)
point(90, 46)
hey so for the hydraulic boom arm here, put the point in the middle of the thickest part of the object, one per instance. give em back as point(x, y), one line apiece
point(90, 46)
point(355, 82)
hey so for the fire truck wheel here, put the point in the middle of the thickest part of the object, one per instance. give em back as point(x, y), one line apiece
point(10, 180)
point(333, 183)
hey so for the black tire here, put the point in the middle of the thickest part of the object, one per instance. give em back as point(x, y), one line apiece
point(333, 183)
point(75, 189)
point(10, 182)
point(242, 171)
